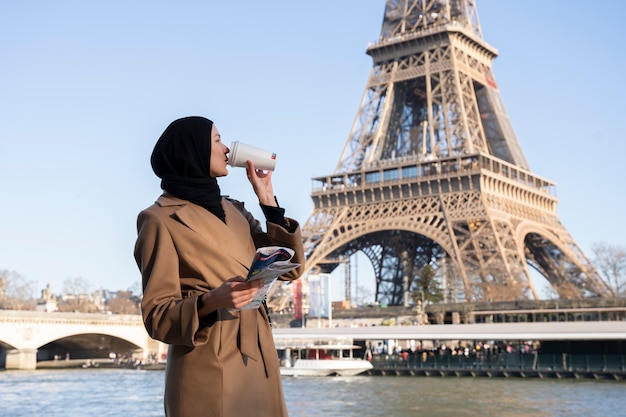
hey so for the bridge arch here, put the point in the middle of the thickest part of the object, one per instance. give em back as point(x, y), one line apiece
point(88, 346)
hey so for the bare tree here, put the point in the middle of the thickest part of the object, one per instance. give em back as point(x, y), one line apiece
point(76, 296)
point(16, 293)
point(135, 288)
point(76, 286)
point(124, 302)
point(611, 261)
point(363, 295)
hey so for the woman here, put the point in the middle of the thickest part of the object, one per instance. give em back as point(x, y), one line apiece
point(193, 250)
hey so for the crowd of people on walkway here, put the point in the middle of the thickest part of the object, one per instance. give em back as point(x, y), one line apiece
point(416, 351)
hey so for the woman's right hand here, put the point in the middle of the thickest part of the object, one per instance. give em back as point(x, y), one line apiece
point(261, 184)
point(234, 293)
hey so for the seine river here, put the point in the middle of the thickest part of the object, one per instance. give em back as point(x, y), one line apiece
point(131, 393)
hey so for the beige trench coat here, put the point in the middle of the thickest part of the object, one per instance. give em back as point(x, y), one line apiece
point(226, 366)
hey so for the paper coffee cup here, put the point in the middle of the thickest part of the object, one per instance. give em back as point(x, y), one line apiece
point(240, 153)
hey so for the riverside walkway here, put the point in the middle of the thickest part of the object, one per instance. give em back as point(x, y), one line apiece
point(578, 350)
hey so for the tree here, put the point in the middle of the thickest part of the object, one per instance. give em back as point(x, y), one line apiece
point(124, 303)
point(611, 261)
point(16, 293)
point(426, 287)
point(135, 288)
point(76, 296)
point(363, 296)
point(76, 286)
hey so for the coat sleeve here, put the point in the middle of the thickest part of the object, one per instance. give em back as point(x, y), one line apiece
point(166, 315)
point(279, 236)
point(276, 235)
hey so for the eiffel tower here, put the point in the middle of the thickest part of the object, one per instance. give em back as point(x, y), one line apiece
point(433, 174)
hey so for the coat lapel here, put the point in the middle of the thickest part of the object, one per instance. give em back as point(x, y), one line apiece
point(240, 239)
point(234, 236)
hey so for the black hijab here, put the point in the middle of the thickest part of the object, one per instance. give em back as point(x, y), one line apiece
point(181, 158)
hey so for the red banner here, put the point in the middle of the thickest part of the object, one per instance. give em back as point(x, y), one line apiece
point(296, 296)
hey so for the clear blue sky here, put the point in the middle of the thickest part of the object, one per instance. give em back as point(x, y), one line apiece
point(86, 88)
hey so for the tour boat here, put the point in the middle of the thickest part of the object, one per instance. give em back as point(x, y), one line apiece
point(322, 360)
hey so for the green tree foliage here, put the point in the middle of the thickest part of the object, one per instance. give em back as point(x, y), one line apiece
point(426, 287)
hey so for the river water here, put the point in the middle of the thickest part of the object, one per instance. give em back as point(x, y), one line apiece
point(133, 393)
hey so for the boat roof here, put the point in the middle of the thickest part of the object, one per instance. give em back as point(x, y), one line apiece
point(336, 346)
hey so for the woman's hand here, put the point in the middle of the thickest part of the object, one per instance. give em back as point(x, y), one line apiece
point(234, 293)
point(261, 184)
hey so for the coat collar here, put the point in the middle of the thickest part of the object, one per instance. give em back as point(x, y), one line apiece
point(229, 234)
point(168, 200)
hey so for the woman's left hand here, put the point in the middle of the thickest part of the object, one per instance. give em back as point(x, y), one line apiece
point(261, 184)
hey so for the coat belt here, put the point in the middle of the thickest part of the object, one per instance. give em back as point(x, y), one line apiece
point(249, 338)
point(249, 334)
point(249, 341)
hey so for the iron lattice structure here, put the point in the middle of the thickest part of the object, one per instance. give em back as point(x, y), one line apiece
point(432, 173)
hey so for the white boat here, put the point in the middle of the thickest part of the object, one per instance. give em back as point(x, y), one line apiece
point(322, 360)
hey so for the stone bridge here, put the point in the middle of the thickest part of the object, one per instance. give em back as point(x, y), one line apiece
point(29, 337)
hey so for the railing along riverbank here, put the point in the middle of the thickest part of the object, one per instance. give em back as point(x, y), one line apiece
point(560, 366)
